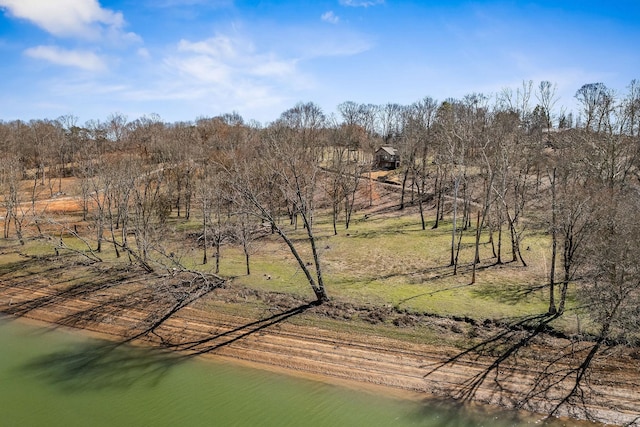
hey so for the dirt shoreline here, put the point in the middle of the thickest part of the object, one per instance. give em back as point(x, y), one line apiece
point(391, 366)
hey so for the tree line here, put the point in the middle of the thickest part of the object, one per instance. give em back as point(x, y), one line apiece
point(490, 167)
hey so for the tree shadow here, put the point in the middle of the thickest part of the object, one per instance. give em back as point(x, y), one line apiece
point(26, 271)
point(443, 272)
point(120, 364)
point(113, 297)
point(100, 365)
point(446, 412)
point(503, 346)
point(155, 302)
point(507, 293)
point(80, 290)
point(510, 370)
point(212, 343)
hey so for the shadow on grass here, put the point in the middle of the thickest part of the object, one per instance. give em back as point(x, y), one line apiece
point(506, 293)
point(444, 272)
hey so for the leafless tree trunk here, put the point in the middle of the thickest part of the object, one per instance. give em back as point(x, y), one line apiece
point(554, 244)
point(288, 157)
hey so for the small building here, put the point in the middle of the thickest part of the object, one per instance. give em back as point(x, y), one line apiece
point(387, 158)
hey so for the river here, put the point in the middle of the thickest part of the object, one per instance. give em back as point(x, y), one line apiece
point(56, 377)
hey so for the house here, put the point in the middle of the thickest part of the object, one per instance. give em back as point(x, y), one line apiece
point(387, 158)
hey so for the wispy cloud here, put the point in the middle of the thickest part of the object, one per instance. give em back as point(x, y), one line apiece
point(230, 70)
point(143, 53)
point(71, 18)
point(220, 46)
point(222, 57)
point(361, 3)
point(85, 60)
point(334, 45)
point(330, 17)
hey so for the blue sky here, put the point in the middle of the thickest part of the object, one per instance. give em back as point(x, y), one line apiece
point(184, 59)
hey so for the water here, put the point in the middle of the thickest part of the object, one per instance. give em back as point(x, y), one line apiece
point(58, 378)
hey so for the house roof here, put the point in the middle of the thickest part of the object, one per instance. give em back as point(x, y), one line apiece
point(390, 150)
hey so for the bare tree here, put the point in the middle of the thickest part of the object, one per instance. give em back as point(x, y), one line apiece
point(453, 143)
point(10, 174)
point(215, 204)
point(418, 134)
point(245, 234)
point(116, 128)
point(596, 100)
point(286, 162)
point(546, 95)
point(611, 292)
point(632, 108)
point(359, 127)
point(332, 184)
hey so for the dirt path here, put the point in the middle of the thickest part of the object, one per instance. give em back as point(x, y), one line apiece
point(273, 341)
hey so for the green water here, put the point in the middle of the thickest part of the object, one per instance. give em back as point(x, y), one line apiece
point(57, 378)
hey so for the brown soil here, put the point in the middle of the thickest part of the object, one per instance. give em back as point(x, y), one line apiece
point(171, 312)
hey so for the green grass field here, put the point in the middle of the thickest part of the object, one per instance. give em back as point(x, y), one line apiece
point(392, 261)
point(382, 260)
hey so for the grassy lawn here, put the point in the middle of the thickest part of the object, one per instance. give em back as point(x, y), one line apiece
point(392, 261)
point(383, 259)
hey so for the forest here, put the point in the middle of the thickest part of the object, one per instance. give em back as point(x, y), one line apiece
point(493, 172)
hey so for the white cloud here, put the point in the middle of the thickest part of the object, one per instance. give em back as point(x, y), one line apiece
point(229, 72)
point(273, 67)
point(336, 43)
point(202, 68)
point(361, 3)
point(70, 18)
point(144, 53)
point(218, 47)
point(330, 17)
point(70, 58)
point(222, 58)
